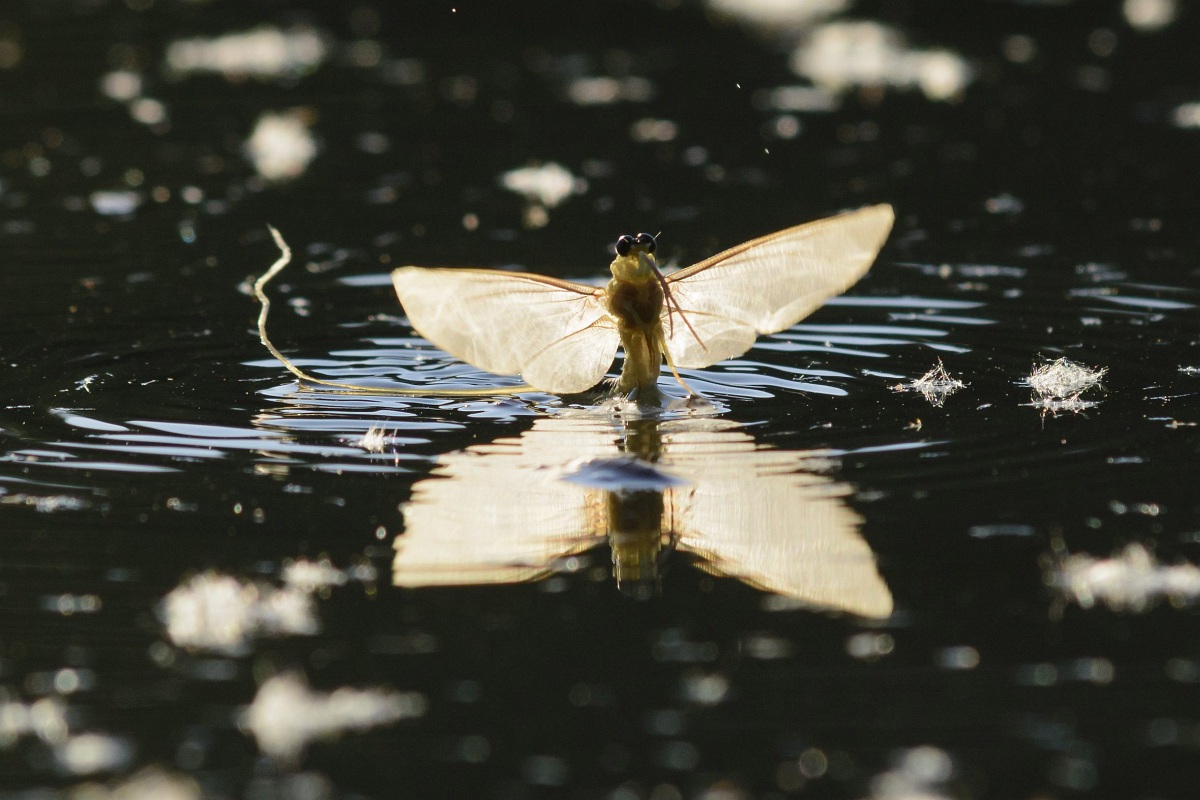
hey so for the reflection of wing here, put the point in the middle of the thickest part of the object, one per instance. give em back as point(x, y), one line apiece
point(498, 513)
point(771, 283)
point(752, 517)
point(556, 334)
point(501, 512)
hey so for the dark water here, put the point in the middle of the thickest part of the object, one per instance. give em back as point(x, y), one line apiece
point(865, 591)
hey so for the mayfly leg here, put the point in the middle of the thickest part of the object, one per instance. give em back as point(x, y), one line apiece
point(260, 285)
point(669, 300)
point(671, 363)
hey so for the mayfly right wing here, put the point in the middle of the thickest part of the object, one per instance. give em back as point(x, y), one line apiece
point(758, 515)
point(791, 535)
point(769, 283)
point(556, 334)
point(500, 512)
point(483, 520)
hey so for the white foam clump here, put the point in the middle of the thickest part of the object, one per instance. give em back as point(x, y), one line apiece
point(282, 146)
point(223, 614)
point(286, 715)
point(89, 753)
point(649, 129)
point(918, 774)
point(1063, 378)
point(798, 98)
point(122, 85)
point(262, 53)
point(117, 203)
point(46, 719)
point(1148, 16)
point(1187, 115)
point(1133, 580)
point(936, 385)
point(1058, 385)
point(603, 90)
point(311, 576)
point(375, 440)
point(777, 15)
point(549, 184)
point(840, 56)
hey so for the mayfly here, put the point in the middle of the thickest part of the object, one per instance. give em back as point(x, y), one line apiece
point(695, 485)
point(561, 337)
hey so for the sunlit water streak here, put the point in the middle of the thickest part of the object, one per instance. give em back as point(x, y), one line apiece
point(842, 361)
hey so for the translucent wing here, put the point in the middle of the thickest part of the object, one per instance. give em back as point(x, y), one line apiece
point(500, 513)
point(482, 521)
point(787, 534)
point(555, 334)
point(770, 283)
point(753, 514)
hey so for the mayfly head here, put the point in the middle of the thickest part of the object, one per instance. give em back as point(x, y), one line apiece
point(635, 257)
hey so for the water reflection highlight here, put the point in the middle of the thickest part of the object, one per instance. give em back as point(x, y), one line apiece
point(524, 508)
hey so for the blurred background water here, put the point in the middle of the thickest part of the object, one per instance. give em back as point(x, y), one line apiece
point(936, 540)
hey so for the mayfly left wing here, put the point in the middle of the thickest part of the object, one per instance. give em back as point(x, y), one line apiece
point(768, 284)
point(554, 333)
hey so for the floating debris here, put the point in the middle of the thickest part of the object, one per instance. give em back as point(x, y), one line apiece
point(221, 613)
point(936, 385)
point(1148, 16)
point(46, 719)
point(282, 145)
point(262, 53)
point(115, 203)
point(11, 49)
point(286, 715)
point(89, 753)
point(547, 185)
point(1054, 406)
point(1130, 581)
point(870, 645)
point(45, 504)
point(543, 188)
point(312, 576)
point(375, 440)
point(126, 86)
point(1187, 115)
point(797, 98)
point(603, 90)
point(704, 689)
point(1057, 386)
point(1004, 203)
point(841, 56)
point(1190, 370)
point(148, 111)
point(653, 130)
point(958, 658)
point(1000, 529)
point(122, 85)
point(777, 16)
point(917, 773)
point(148, 784)
point(68, 604)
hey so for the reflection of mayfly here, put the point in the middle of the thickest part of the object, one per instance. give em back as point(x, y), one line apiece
point(524, 508)
point(561, 336)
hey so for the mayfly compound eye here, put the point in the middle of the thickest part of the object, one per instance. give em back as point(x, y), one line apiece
point(624, 244)
point(647, 241)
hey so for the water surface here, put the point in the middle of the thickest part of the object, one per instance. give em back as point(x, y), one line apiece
point(850, 587)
